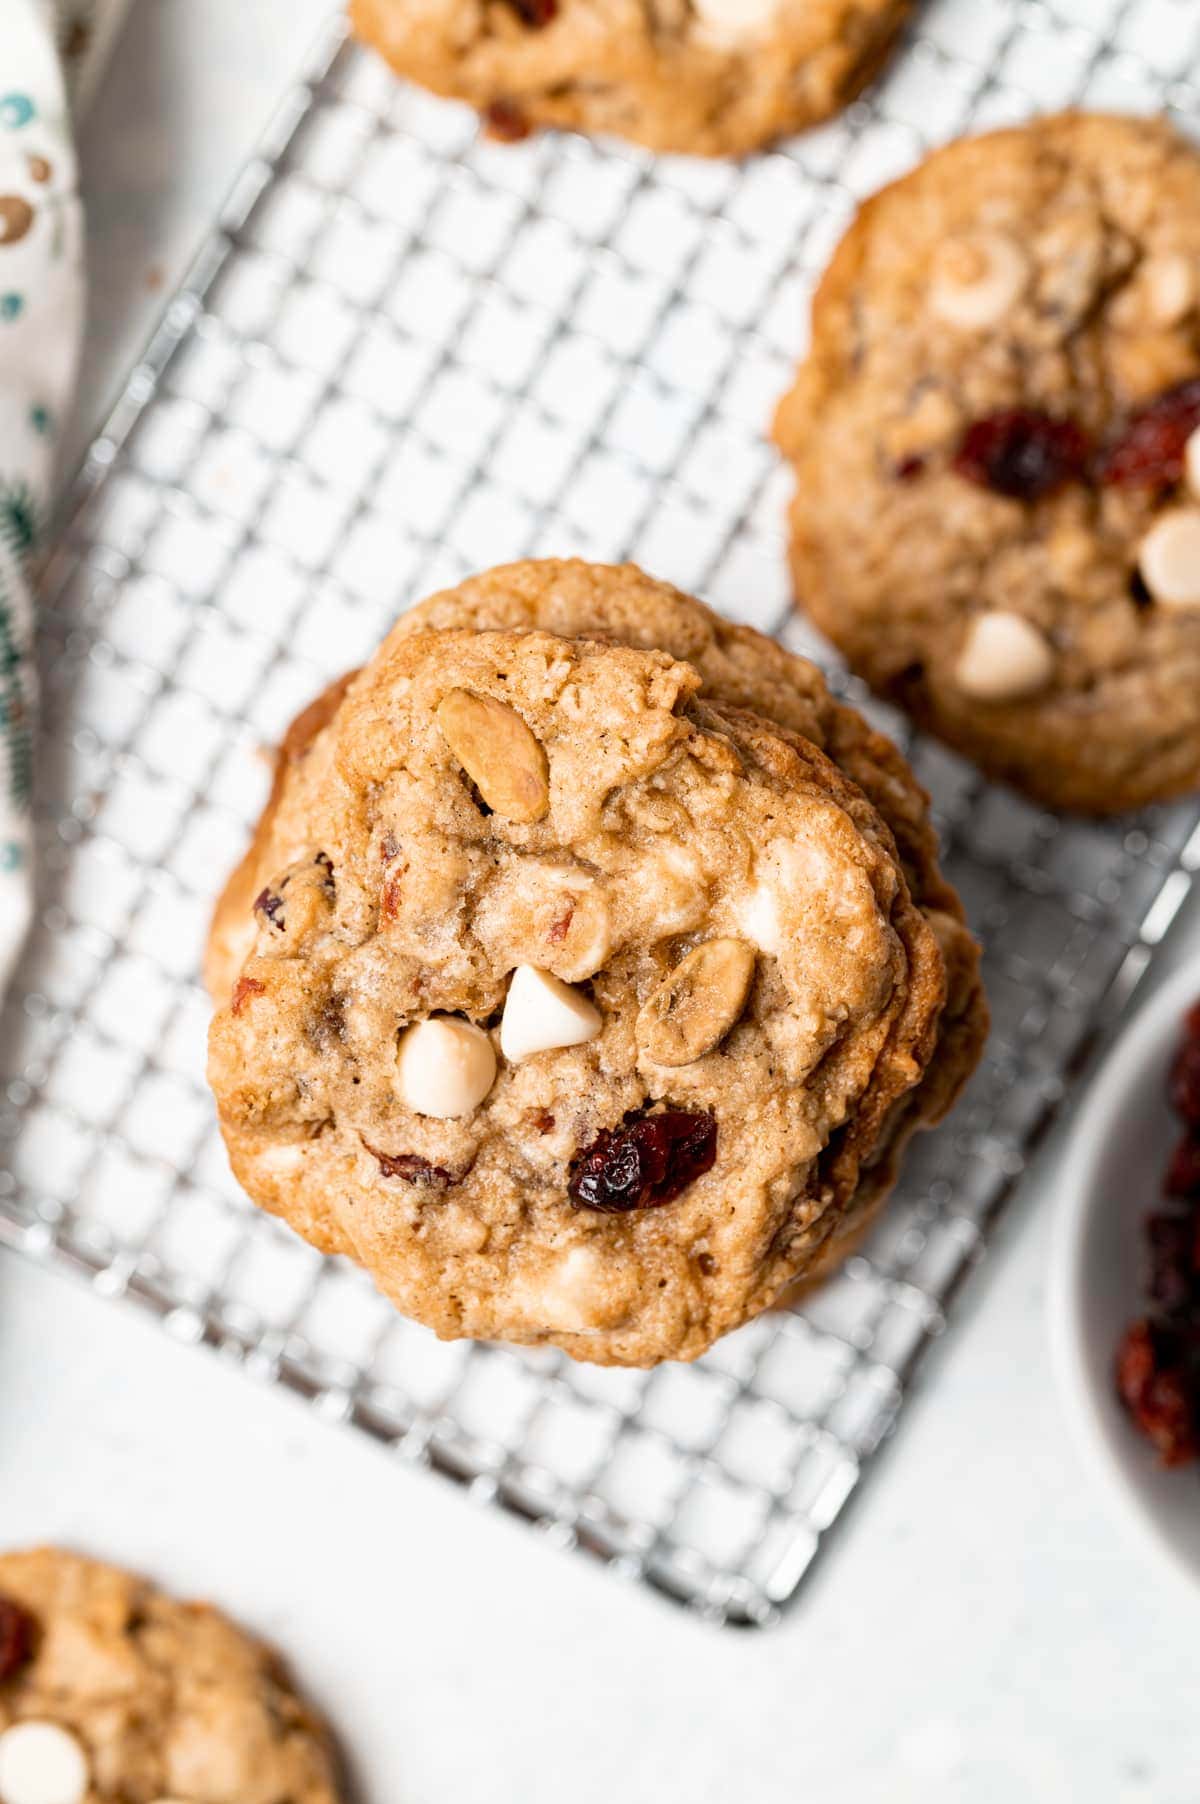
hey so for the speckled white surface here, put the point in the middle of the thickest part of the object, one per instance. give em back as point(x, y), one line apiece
point(981, 1633)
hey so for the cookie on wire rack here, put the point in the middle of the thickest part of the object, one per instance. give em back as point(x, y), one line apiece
point(111, 1691)
point(997, 457)
point(705, 77)
point(589, 970)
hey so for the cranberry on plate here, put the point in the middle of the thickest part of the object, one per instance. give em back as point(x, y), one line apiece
point(1158, 1361)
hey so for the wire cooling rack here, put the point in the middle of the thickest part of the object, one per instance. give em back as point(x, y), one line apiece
point(407, 353)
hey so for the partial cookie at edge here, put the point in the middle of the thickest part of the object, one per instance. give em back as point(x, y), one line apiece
point(713, 77)
point(978, 487)
point(160, 1699)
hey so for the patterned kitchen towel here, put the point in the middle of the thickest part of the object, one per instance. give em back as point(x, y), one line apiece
point(41, 318)
point(86, 31)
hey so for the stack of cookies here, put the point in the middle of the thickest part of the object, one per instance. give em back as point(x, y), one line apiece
point(589, 970)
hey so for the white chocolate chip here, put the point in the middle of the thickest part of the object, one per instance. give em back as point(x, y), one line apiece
point(566, 1299)
point(1170, 287)
point(724, 24)
point(445, 1067)
point(757, 917)
point(1161, 293)
point(281, 1161)
point(41, 1764)
point(579, 1290)
point(1191, 462)
point(1169, 558)
point(541, 1013)
point(1005, 657)
point(978, 279)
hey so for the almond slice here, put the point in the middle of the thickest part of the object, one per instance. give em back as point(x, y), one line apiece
point(498, 752)
point(693, 1010)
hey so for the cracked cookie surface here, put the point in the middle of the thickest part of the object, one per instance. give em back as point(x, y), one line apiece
point(740, 995)
point(996, 515)
point(113, 1692)
point(715, 77)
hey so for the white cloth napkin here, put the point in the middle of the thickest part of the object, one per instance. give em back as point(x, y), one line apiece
point(48, 49)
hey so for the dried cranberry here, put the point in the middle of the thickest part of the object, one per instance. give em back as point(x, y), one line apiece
point(1157, 1383)
point(535, 12)
point(17, 1633)
point(508, 123)
point(559, 929)
point(1135, 1363)
point(270, 906)
point(1148, 450)
point(1158, 1363)
point(412, 1169)
point(1173, 1284)
point(1183, 1173)
point(390, 900)
point(909, 468)
point(1184, 1087)
point(1022, 454)
point(326, 863)
point(243, 990)
point(648, 1161)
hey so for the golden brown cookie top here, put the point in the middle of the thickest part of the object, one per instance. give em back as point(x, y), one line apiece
point(111, 1691)
point(737, 666)
point(715, 77)
point(577, 996)
point(993, 516)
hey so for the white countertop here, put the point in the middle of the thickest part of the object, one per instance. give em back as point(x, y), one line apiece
point(980, 1632)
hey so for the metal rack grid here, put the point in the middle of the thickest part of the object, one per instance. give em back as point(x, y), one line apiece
point(406, 353)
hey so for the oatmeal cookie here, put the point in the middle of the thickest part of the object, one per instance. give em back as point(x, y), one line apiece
point(710, 77)
point(589, 1000)
point(110, 1691)
point(749, 670)
point(993, 436)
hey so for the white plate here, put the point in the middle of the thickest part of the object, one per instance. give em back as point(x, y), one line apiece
point(1111, 1177)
